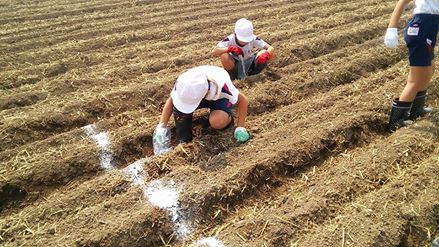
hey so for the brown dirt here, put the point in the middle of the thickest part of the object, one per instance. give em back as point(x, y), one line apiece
point(320, 168)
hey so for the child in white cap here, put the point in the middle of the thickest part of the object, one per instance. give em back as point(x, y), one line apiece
point(204, 87)
point(236, 51)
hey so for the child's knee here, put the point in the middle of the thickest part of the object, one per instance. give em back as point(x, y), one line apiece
point(219, 120)
point(227, 61)
point(219, 124)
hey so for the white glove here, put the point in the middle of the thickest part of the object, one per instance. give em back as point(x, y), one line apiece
point(391, 37)
point(161, 139)
point(160, 133)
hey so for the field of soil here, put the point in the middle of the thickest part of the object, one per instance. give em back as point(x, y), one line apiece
point(82, 85)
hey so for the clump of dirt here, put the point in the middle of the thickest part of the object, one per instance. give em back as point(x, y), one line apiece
point(55, 69)
point(21, 99)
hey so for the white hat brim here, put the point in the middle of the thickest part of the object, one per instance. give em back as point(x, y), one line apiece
point(181, 106)
point(245, 38)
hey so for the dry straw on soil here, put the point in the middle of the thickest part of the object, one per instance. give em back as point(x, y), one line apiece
point(319, 169)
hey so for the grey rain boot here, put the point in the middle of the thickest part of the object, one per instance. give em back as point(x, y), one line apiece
point(399, 114)
point(183, 126)
point(418, 109)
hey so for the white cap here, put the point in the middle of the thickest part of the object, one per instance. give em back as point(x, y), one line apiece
point(191, 87)
point(244, 30)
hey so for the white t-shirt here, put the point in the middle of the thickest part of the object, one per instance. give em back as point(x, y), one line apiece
point(220, 75)
point(427, 7)
point(247, 49)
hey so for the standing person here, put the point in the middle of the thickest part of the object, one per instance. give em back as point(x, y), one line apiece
point(204, 87)
point(420, 37)
point(236, 51)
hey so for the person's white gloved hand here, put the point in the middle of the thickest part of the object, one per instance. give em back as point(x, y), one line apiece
point(161, 139)
point(160, 133)
point(391, 37)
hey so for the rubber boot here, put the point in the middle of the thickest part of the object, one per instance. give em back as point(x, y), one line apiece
point(399, 114)
point(435, 242)
point(258, 67)
point(418, 109)
point(183, 126)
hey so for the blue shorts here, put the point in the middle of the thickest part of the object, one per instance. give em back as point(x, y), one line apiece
point(221, 104)
point(420, 37)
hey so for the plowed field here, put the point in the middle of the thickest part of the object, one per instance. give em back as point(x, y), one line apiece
point(82, 85)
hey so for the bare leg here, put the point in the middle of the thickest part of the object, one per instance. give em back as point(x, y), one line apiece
point(227, 61)
point(418, 80)
point(406, 107)
point(219, 119)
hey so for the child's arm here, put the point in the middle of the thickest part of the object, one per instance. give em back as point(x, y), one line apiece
point(397, 12)
point(218, 51)
point(241, 134)
point(242, 109)
point(166, 112)
point(270, 50)
point(391, 37)
point(162, 135)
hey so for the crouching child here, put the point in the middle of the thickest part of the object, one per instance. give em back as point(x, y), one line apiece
point(236, 51)
point(204, 87)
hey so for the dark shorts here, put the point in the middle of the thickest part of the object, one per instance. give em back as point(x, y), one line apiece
point(420, 37)
point(221, 104)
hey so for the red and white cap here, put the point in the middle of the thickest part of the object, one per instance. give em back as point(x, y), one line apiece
point(244, 30)
point(191, 87)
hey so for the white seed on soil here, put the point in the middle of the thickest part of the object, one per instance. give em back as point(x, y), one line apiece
point(208, 242)
point(162, 196)
point(103, 141)
point(183, 230)
point(135, 170)
point(166, 196)
point(90, 129)
point(158, 194)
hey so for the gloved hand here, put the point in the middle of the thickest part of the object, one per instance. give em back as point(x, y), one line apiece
point(391, 37)
point(161, 139)
point(235, 50)
point(263, 58)
point(241, 134)
point(160, 133)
